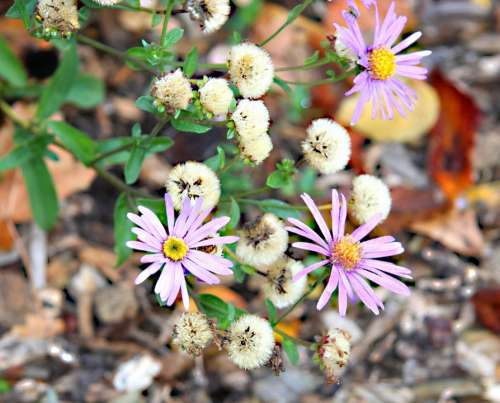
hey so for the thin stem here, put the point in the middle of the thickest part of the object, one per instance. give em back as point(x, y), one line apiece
point(6, 108)
point(295, 339)
point(311, 288)
point(229, 165)
point(114, 52)
point(299, 9)
point(118, 183)
point(110, 153)
point(323, 81)
point(166, 19)
point(253, 192)
point(319, 63)
point(323, 207)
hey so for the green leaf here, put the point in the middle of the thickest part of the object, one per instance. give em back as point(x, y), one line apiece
point(22, 9)
point(145, 103)
point(296, 11)
point(283, 85)
point(122, 227)
point(271, 311)
point(41, 192)
point(312, 59)
point(182, 125)
point(238, 274)
point(78, 142)
point(156, 19)
point(26, 148)
point(307, 180)
point(278, 207)
point(191, 63)
point(172, 37)
point(277, 180)
point(59, 86)
point(291, 350)
point(218, 161)
point(11, 69)
point(4, 386)
point(86, 92)
point(234, 214)
point(216, 308)
point(235, 38)
point(157, 206)
point(134, 164)
point(158, 144)
point(107, 145)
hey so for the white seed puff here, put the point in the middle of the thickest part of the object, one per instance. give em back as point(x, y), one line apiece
point(251, 119)
point(255, 149)
point(251, 342)
point(327, 146)
point(216, 96)
point(263, 241)
point(193, 179)
point(192, 333)
point(58, 15)
point(278, 285)
point(210, 14)
point(251, 69)
point(334, 351)
point(173, 90)
point(107, 2)
point(370, 196)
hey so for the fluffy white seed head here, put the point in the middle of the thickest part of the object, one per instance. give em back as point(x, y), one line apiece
point(255, 149)
point(210, 14)
point(216, 96)
point(263, 241)
point(58, 15)
point(193, 179)
point(251, 69)
point(278, 285)
point(251, 342)
point(173, 90)
point(327, 146)
point(107, 2)
point(334, 351)
point(251, 119)
point(370, 196)
point(192, 333)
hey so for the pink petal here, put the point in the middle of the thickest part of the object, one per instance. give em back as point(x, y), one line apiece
point(309, 269)
point(141, 246)
point(185, 295)
point(317, 216)
point(148, 271)
point(386, 281)
point(153, 220)
point(169, 209)
point(311, 247)
point(220, 240)
point(359, 233)
point(329, 289)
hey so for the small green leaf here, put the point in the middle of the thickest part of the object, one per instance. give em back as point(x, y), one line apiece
point(122, 227)
point(145, 103)
point(86, 92)
point(307, 180)
point(271, 311)
point(248, 270)
point(156, 20)
point(234, 214)
point(58, 87)
point(172, 37)
point(157, 144)
point(108, 145)
point(312, 59)
point(218, 161)
point(235, 38)
point(291, 350)
point(216, 308)
point(11, 69)
point(283, 85)
point(191, 63)
point(238, 274)
point(41, 191)
point(26, 148)
point(23, 9)
point(136, 130)
point(277, 180)
point(134, 164)
point(182, 125)
point(78, 142)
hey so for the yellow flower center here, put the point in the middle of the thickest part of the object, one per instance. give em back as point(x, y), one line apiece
point(175, 248)
point(346, 253)
point(382, 63)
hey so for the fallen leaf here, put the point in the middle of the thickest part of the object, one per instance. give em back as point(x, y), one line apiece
point(457, 230)
point(487, 305)
point(291, 328)
point(401, 129)
point(451, 144)
point(39, 327)
point(6, 240)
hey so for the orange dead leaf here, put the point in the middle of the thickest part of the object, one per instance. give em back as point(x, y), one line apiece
point(451, 143)
point(291, 328)
point(457, 230)
point(6, 240)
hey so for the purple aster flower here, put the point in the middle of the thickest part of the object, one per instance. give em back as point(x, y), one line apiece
point(352, 262)
point(179, 248)
point(382, 65)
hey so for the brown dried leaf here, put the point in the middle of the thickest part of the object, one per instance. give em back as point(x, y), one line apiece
point(457, 230)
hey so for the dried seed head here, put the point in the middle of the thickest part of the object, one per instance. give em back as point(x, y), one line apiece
point(262, 242)
point(278, 285)
point(193, 333)
point(255, 149)
point(193, 179)
point(327, 146)
point(251, 119)
point(251, 342)
point(370, 196)
point(210, 14)
point(58, 16)
point(216, 96)
point(173, 91)
point(334, 351)
point(251, 69)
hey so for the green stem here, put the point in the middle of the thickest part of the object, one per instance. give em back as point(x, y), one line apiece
point(323, 207)
point(311, 288)
point(114, 52)
point(330, 80)
point(299, 9)
point(319, 63)
point(6, 108)
point(229, 165)
point(166, 19)
point(253, 192)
